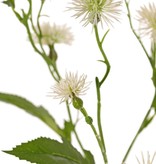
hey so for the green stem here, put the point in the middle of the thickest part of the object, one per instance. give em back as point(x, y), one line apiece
point(99, 84)
point(98, 138)
point(100, 144)
point(46, 59)
point(144, 124)
point(146, 121)
point(137, 36)
point(50, 63)
point(99, 113)
point(75, 132)
point(106, 61)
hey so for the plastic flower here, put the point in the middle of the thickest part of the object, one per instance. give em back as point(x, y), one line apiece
point(52, 34)
point(94, 11)
point(148, 160)
point(71, 86)
point(147, 18)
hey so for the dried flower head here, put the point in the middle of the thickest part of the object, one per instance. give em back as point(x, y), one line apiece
point(71, 86)
point(147, 19)
point(148, 159)
point(94, 11)
point(52, 34)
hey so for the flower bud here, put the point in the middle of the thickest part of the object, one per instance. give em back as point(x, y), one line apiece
point(89, 120)
point(77, 102)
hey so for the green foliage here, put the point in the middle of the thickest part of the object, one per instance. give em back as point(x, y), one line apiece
point(37, 111)
point(89, 157)
point(25, 16)
point(68, 128)
point(10, 3)
point(47, 151)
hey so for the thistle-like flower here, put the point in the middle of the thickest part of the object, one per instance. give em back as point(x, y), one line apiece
point(148, 159)
point(147, 18)
point(51, 34)
point(69, 87)
point(94, 11)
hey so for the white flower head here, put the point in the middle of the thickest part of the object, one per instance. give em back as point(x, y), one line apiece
point(52, 34)
point(94, 11)
point(72, 85)
point(147, 160)
point(147, 19)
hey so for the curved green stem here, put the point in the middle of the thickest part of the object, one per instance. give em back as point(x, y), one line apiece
point(99, 84)
point(106, 61)
point(137, 36)
point(51, 64)
point(146, 121)
point(71, 120)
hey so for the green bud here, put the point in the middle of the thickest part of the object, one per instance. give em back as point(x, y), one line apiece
point(10, 3)
point(89, 120)
point(77, 102)
point(52, 53)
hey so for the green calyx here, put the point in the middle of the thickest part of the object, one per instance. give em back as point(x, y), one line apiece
point(77, 102)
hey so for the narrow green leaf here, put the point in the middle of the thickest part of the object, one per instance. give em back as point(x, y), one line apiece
point(147, 122)
point(47, 151)
point(104, 36)
point(37, 111)
point(18, 16)
point(10, 3)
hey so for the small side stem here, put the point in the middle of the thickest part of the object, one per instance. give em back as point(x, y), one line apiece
point(98, 138)
point(75, 132)
point(132, 28)
point(100, 144)
point(106, 61)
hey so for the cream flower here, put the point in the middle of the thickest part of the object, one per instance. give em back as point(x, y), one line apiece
point(69, 87)
point(147, 18)
point(52, 34)
point(148, 160)
point(94, 11)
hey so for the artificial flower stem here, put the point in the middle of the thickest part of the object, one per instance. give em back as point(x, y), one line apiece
point(75, 133)
point(39, 35)
point(38, 17)
point(26, 24)
point(132, 28)
point(99, 112)
point(144, 124)
point(142, 127)
point(99, 83)
point(106, 61)
point(98, 138)
point(47, 60)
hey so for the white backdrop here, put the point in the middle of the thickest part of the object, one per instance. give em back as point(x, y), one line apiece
point(126, 95)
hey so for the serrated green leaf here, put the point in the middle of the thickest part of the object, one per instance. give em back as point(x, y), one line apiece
point(37, 111)
point(47, 151)
point(10, 3)
point(68, 128)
